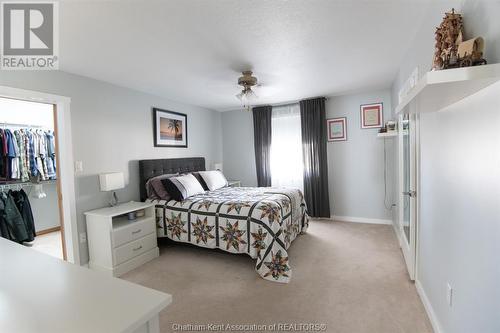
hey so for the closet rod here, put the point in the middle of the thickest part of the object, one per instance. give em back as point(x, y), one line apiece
point(13, 186)
point(18, 183)
point(21, 125)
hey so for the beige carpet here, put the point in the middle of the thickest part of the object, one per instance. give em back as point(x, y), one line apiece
point(349, 276)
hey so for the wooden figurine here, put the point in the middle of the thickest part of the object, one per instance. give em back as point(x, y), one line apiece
point(450, 49)
point(448, 36)
point(471, 51)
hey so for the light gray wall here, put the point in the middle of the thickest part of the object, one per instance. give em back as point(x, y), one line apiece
point(460, 213)
point(460, 198)
point(113, 129)
point(238, 148)
point(45, 210)
point(356, 166)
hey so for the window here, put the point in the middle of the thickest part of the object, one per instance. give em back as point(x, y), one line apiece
point(286, 147)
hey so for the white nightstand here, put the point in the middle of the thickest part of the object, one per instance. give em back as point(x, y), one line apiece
point(234, 183)
point(117, 244)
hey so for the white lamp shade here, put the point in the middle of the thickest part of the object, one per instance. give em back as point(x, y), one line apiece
point(111, 181)
point(218, 166)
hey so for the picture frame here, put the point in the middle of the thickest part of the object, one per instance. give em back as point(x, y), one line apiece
point(170, 129)
point(337, 129)
point(372, 115)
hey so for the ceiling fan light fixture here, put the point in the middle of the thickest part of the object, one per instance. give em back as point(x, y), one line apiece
point(250, 95)
point(247, 81)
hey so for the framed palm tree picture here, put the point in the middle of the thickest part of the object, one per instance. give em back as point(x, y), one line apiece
point(170, 128)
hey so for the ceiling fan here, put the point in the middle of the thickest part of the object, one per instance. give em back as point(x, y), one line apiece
point(247, 95)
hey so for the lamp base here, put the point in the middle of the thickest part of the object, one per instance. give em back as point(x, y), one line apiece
point(114, 199)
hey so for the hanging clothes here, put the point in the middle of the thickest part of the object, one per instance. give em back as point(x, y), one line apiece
point(3, 155)
point(27, 150)
point(23, 171)
point(27, 153)
point(32, 153)
point(13, 220)
point(43, 154)
point(4, 230)
point(23, 205)
point(39, 154)
point(11, 155)
point(16, 165)
point(51, 155)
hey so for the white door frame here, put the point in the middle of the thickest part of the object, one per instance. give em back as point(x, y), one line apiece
point(66, 171)
point(409, 249)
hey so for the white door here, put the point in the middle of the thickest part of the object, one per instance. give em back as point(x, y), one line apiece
point(408, 193)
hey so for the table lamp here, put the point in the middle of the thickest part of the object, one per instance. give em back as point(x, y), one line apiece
point(111, 182)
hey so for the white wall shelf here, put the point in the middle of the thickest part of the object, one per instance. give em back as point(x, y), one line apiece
point(439, 89)
point(390, 134)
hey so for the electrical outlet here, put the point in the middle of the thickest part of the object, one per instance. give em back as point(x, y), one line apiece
point(449, 294)
point(83, 237)
point(78, 166)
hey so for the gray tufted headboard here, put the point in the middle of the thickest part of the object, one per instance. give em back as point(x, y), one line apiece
point(152, 168)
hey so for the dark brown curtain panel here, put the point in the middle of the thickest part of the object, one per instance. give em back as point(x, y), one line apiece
point(313, 121)
point(262, 143)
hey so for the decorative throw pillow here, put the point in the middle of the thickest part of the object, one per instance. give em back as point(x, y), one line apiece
point(200, 179)
point(149, 190)
point(214, 179)
point(182, 187)
point(155, 188)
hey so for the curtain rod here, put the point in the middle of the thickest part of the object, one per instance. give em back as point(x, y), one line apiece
point(241, 108)
point(294, 101)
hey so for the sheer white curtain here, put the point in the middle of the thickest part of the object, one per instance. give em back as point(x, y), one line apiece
point(286, 147)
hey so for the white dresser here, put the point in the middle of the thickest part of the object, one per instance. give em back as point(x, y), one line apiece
point(117, 244)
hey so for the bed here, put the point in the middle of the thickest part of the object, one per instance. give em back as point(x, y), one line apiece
point(259, 221)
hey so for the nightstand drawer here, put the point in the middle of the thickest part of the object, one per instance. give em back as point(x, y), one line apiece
point(133, 231)
point(135, 248)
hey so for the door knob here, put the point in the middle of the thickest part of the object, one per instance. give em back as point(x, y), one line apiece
point(411, 194)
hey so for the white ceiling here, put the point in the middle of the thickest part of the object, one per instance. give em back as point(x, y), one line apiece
point(192, 51)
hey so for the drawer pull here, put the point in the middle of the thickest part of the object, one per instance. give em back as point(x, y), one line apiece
point(136, 232)
point(137, 248)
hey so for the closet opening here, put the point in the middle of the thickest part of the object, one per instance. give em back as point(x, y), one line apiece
point(31, 209)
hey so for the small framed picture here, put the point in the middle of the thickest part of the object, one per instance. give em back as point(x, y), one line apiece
point(337, 129)
point(372, 115)
point(170, 128)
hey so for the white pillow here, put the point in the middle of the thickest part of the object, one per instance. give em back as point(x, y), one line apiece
point(182, 187)
point(214, 179)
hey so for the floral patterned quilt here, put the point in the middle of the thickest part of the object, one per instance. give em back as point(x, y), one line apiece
point(259, 221)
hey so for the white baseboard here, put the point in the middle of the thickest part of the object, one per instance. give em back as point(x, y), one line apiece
point(360, 220)
point(428, 308)
point(397, 232)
